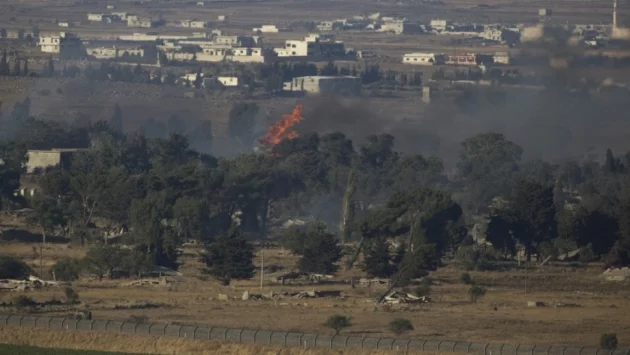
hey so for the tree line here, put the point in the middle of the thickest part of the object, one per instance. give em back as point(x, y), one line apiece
point(398, 213)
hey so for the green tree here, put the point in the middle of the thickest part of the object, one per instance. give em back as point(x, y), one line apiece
point(241, 122)
point(321, 250)
point(338, 322)
point(117, 119)
point(534, 213)
point(104, 260)
point(20, 34)
point(192, 217)
point(66, 269)
point(11, 268)
point(475, 292)
point(608, 341)
point(47, 214)
point(229, 257)
point(400, 326)
point(378, 261)
point(3, 33)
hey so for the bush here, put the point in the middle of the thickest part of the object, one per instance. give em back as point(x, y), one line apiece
point(338, 322)
point(466, 279)
point(475, 292)
point(11, 268)
point(608, 341)
point(422, 290)
point(66, 269)
point(71, 295)
point(21, 302)
point(400, 325)
point(471, 258)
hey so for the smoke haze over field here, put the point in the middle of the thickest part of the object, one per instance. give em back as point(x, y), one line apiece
point(549, 124)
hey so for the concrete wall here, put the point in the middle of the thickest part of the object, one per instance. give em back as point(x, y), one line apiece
point(45, 159)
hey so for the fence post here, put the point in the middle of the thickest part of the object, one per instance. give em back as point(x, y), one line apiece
point(179, 332)
point(285, 338)
point(485, 350)
point(564, 350)
point(63, 326)
point(378, 342)
point(454, 345)
point(468, 347)
point(362, 341)
point(121, 325)
point(548, 349)
point(107, 323)
point(597, 351)
point(534, 348)
point(195, 332)
point(501, 349)
point(315, 340)
point(210, 333)
point(92, 325)
point(240, 335)
point(270, 334)
point(331, 340)
point(424, 342)
point(407, 345)
point(256, 332)
point(150, 326)
point(580, 353)
point(438, 346)
point(21, 317)
point(35, 321)
point(346, 342)
point(301, 336)
point(135, 327)
point(225, 333)
point(516, 351)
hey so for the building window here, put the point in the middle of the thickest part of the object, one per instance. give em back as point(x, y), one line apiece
point(293, 53)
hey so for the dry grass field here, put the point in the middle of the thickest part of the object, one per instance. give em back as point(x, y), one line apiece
point(595, 306)
point(157, 345)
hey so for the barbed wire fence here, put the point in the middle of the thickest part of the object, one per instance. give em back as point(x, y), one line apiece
point(297, 339)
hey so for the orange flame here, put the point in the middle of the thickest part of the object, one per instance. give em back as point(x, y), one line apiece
point(283, 129)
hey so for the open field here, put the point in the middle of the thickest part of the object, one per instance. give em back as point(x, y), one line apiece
point(596, 306)
point(94, 344)
point(34, 350)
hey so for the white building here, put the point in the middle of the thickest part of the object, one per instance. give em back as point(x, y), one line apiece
point(193, 24)
point(312, 45)
point(439, 25)
point(266, 29)
point(65, 24)
point(95, 17)
point(493, 35)
point(325, 84)
point(501, 58)
point(61, 44)
point(423, 58)
point(221, 18)
point(140, 23)
point(113, 52)
point(228, 81)
point(399, 27)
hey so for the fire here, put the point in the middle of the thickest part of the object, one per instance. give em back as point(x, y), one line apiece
point(283, 129)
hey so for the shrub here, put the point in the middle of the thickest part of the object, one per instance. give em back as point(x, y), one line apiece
point(471, 258)
point(466, 279)
point(71, 295)
point(338, 322)
point(66, 269)
point(21, 302)
point(608, 341)
point(400, 325)
point(475, 292)
point(138, 319)
point(11, 268)
point(422, 290)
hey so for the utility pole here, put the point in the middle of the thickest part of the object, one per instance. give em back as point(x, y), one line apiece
point(262, 266)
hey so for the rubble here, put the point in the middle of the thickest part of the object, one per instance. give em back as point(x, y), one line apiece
point(302, 277)
point(147, 282)
point(617, 274)
point(534, 304)
point(33, 283)
point(374, 282)
point(567, 305)
point(294, 295)
point(396, 297)
point(140, 305)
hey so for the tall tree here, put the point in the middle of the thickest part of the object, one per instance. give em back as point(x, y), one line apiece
point(534, 214)
point(117, 119)
point(242, 121)
point(379, 261)
point(229, 257)
point(321, 251)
